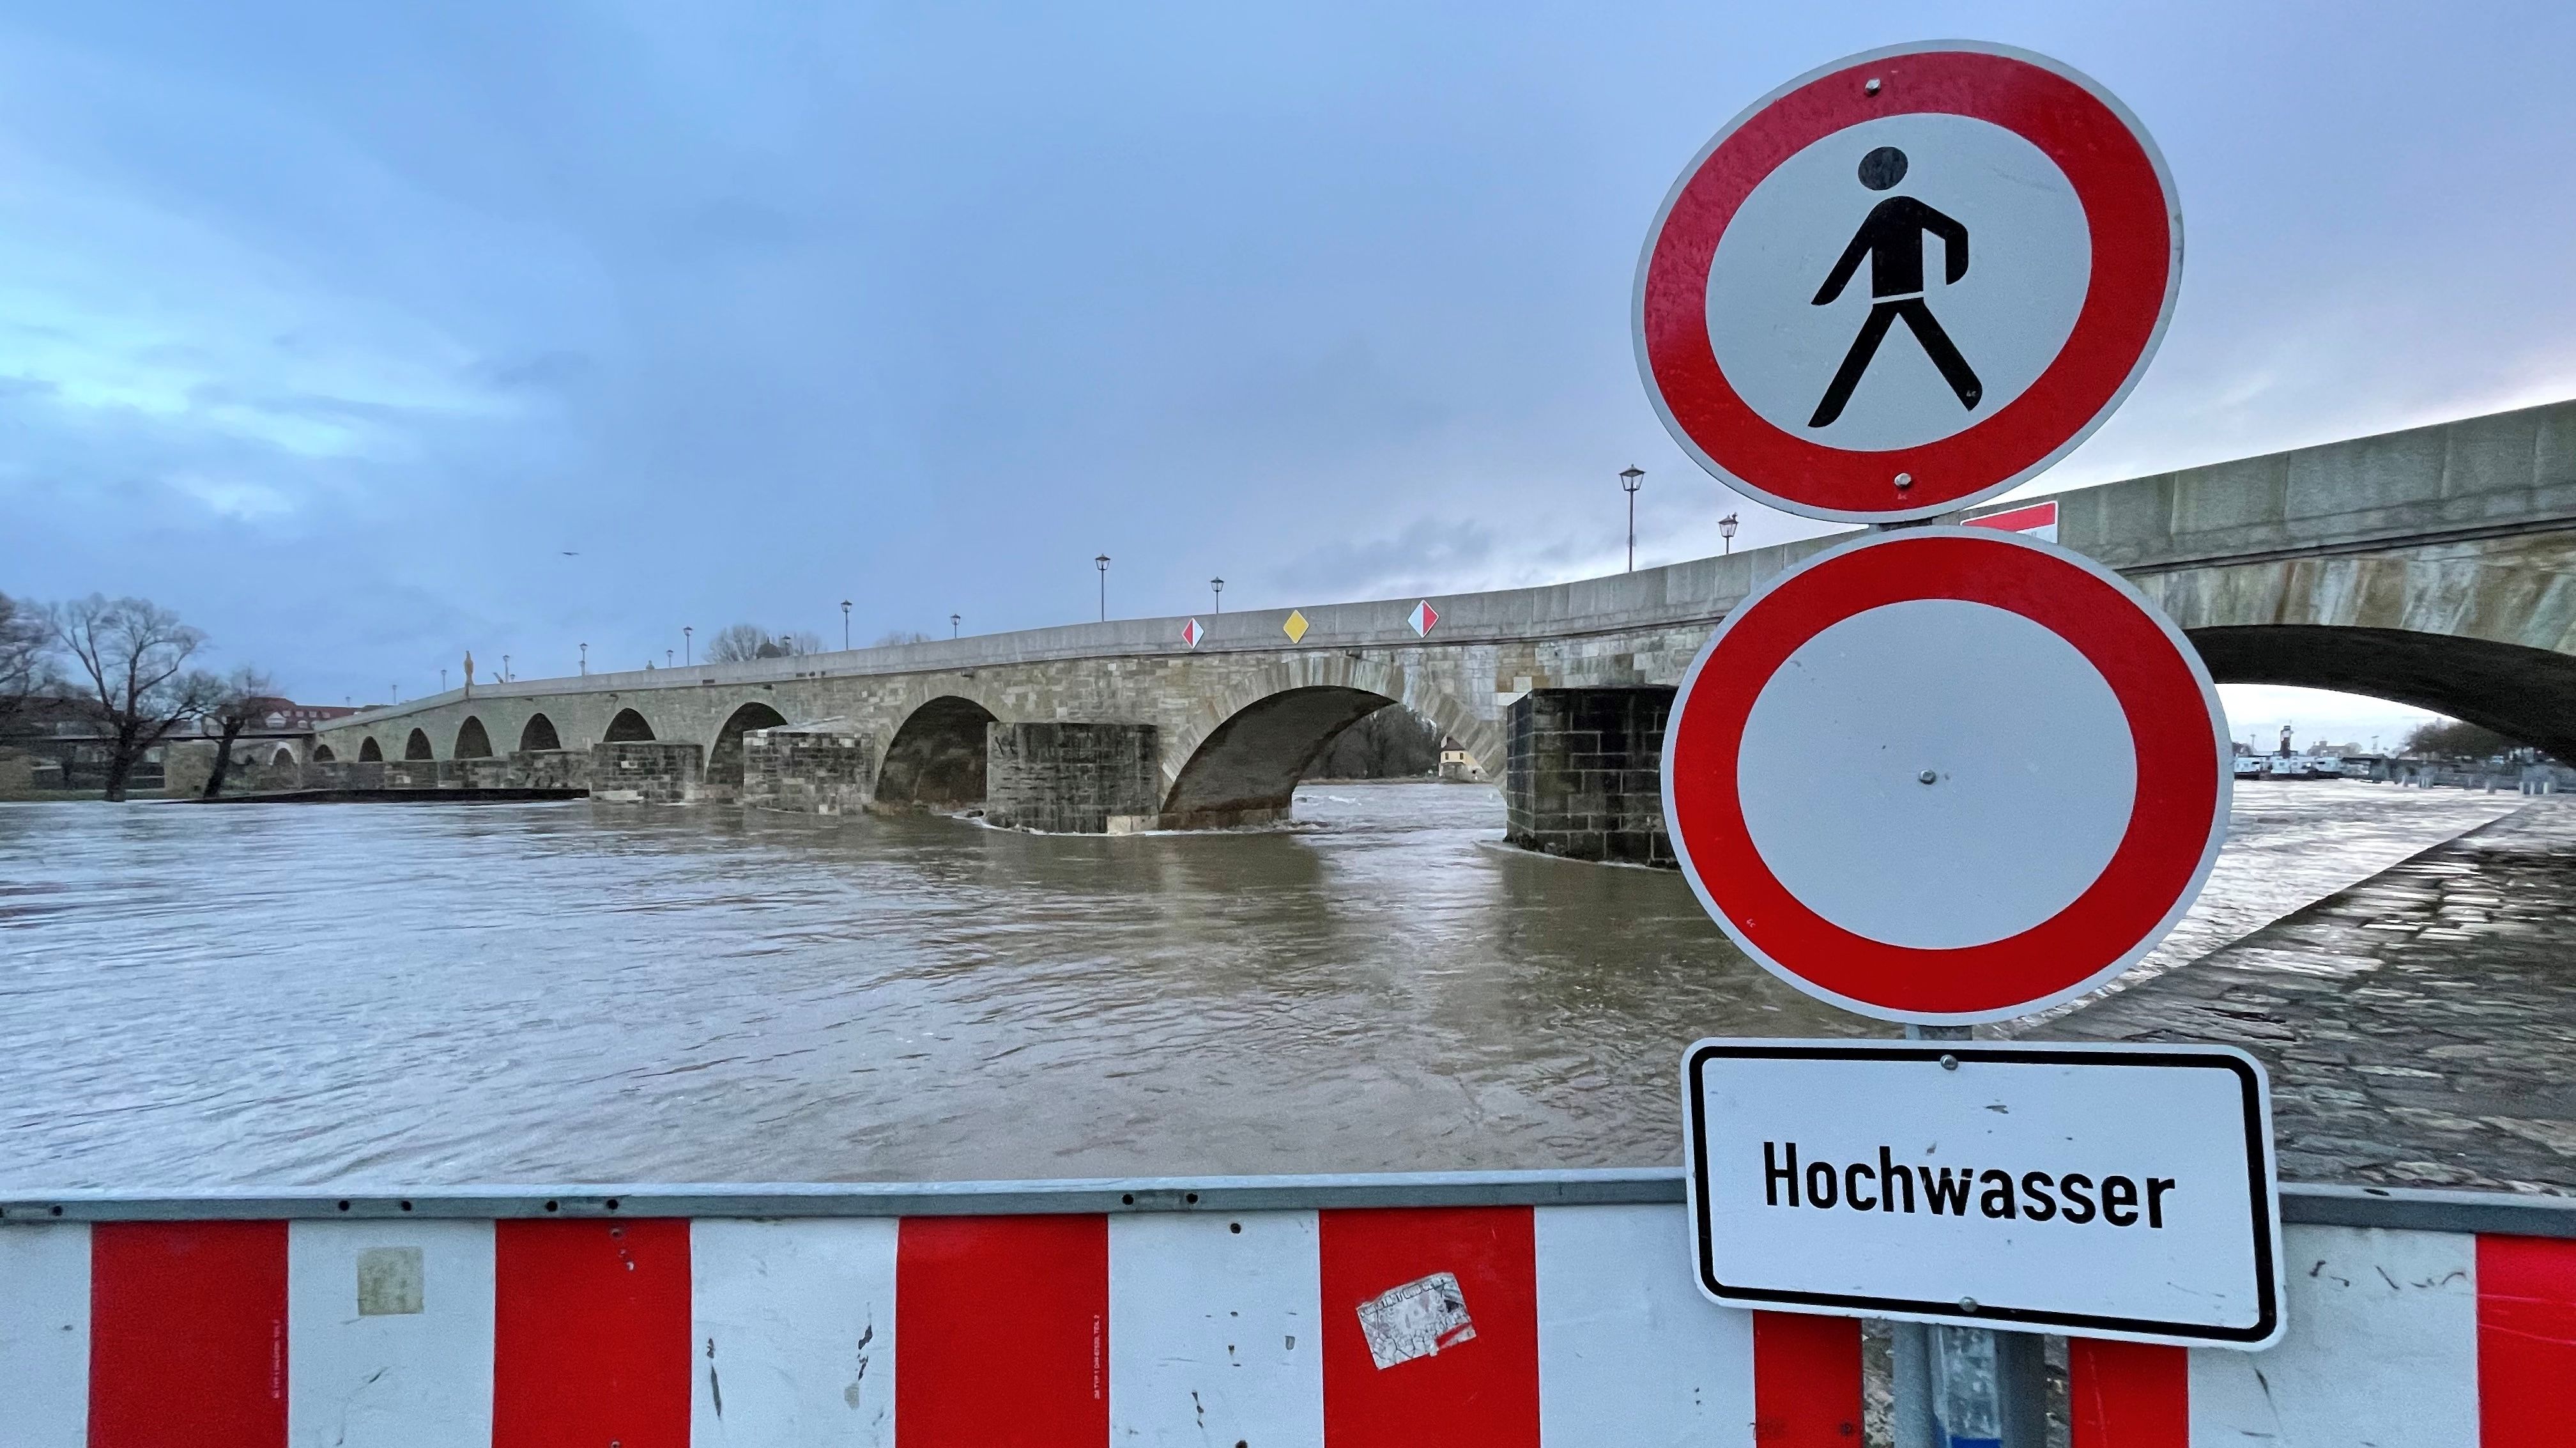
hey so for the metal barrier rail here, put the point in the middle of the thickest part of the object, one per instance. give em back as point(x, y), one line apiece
point(1487, 1310)
point(2349, 1206)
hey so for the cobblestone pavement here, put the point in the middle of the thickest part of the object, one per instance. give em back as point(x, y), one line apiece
point(2420, 1027)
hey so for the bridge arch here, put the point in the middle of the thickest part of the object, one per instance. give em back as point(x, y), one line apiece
point(724, 756)
point(936, 758)
point(539, 734)
point(370, 752)
point(1242, 764)
point(473, 741)
point(285, 755)
point(2522, 693)
point(2483, 630)
point(417, 746)
point(627, 728)
point(322, 754)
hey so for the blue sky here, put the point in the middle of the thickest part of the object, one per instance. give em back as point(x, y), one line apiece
point(337, 327)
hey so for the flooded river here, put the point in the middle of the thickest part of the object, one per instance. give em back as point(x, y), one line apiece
point(424, 994)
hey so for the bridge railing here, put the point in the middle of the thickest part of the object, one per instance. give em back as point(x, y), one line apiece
point(1485, 1309)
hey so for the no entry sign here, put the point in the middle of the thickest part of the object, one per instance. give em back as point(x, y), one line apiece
point(2112, 1191)
point(1907, 281)
point(1946, 775)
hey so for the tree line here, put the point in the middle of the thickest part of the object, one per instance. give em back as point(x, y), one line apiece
point(127, 667)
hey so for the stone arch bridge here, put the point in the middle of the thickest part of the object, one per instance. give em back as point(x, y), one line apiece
point(2431, 567)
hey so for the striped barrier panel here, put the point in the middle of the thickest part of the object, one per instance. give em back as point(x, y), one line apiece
point(1493, 1311)
point(1478, 1326)
point(2396, 1337)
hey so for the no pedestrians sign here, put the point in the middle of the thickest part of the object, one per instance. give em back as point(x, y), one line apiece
point(1907, 281)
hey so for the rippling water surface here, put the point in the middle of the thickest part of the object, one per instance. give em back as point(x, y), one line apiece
point(423, 994)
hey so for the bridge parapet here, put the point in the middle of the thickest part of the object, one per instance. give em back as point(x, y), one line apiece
point(2434, 566)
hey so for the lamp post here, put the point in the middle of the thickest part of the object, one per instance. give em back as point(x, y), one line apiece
point(1102, 563)
point(1632, 479)
point(585, 658)
point(505, 668)
point(688, 643)
point(954, 620)
point(845, 625)
point(666, 658)
point(442, 681)
point(1217, 585)
point(1726, 530)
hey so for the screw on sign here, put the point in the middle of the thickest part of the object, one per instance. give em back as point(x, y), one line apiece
point(1774, 281)
point(1946, 775)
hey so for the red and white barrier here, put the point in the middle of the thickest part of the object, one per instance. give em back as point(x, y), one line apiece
point(1479, 1327)
point(2396, 1337)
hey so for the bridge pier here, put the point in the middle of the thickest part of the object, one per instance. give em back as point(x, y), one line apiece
point(825, 768)
point(1585, 774)
point(646, 771)
point(1076, 779)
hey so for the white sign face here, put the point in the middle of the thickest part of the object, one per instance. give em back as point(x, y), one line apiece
point(2103, 1191)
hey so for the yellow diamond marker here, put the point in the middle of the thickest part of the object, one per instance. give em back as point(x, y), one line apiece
point(1295, 627)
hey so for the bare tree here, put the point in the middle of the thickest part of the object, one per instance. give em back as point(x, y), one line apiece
point(131, 657)
point(26, 672)
point(736, 642)
point(899, 636)
point(2454, 739)
point(1392, 743)
point(248, 696)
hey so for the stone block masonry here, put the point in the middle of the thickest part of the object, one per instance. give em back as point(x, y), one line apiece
point(822, 768)
point(1076, 779)
point(646, 771)
point(1586, 776)
point(550, 769)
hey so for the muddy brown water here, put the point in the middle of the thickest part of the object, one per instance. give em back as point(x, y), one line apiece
point(358, 995)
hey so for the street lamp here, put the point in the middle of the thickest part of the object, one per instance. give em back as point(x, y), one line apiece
point(845, 625)
point(1218, 585)
point(442, 681)
point(1632, 479)
point(585, 658)
point(1726, 530)
point(954, 620)
point(688, 643)
point(505, 668)
point(1102, 563)
point(666, 658)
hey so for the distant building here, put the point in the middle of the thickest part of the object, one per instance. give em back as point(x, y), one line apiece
point(1456, 763)
point(285, 716)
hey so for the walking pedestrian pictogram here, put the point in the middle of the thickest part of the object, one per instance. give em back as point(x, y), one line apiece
point(1891, 241)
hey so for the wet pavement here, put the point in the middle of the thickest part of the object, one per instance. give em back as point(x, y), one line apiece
point(2420, 1027)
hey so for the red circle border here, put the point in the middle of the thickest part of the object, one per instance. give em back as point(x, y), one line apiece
point(2136, 237)
point(2175, 825)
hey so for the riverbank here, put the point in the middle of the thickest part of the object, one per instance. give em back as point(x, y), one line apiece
point(2420, 1027)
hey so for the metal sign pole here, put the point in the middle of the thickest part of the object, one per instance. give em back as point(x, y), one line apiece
point(1966, 1387)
